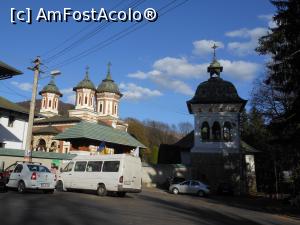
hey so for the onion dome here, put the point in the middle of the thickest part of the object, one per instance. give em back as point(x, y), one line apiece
point(108, 84)
point(85, 83)
point(215, 90)
point(51, 88)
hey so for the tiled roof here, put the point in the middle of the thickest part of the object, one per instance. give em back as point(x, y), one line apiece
point(98, 132)
point(7, 71)
point(36, 154)
point(46, 130)
point(8, 105)
point(57, 119)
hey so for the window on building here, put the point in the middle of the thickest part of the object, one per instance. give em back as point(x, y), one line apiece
point(11, 121)
point(111, 166)
point(50, 103)
point(101, 107)
point(80, 100)
point(80, 166)
point(115, 112)
point(85, 100)
point(205, 131)
point(216, 131)
point(44, 103)
point(55, 104)
point(94, 166)
point(227, 136)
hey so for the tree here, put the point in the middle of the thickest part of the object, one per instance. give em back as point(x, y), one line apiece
point(185, 128)
point(278, 96)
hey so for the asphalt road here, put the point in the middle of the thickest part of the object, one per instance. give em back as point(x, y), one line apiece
point(152, 206)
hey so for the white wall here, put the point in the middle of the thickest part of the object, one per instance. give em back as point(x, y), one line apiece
point(13, 137)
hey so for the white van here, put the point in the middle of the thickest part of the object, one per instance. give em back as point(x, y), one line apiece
point(118, 173)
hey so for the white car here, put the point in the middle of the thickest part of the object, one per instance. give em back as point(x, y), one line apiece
point(190, 187)
point(28, 175)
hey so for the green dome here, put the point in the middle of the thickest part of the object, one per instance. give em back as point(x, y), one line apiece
point(108, 84)
point(85, 83)
point(51, 88)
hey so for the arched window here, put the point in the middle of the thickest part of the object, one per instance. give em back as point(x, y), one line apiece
point(205, 131)
point(80, 100)
point(53, 147)
point(44, 103)
point(216, 131)
point(55, 104)
point(85, 100)
point(41, 145)
point(101, 107)
point(49, 103)
point(115, 109)
point(227, 135)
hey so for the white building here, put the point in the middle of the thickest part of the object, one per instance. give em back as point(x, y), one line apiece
point(13, 125)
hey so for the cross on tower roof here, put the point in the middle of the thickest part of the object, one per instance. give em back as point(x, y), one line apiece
point(87, 71)
point(214, 47)
point(108, 76)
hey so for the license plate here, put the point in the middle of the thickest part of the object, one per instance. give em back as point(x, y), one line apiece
point(45, 185)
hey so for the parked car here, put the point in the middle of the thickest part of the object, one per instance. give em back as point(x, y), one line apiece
point(119, 173)
point(190, 187)
point(28, 175)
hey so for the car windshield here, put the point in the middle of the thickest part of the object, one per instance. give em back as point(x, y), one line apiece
point(37, 168)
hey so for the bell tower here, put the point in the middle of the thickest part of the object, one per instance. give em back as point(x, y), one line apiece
point(50, 99)
point(216, 107)
point(108, 96)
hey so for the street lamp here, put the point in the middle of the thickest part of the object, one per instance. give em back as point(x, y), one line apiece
point(36, 69)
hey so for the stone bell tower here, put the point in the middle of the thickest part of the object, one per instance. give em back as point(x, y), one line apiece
point(216, 107)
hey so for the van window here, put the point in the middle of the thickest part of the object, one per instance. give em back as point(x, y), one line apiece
point(111, 166)
point(80, 166)
point(94, 166)
point(69, 167)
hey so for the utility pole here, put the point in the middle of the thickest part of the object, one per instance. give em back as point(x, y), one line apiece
point(36, 69)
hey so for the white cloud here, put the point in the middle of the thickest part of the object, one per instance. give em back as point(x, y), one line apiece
point(23, 86)
point(269, 19)
point(241, 70)
point(246, 47)
point(69, 95)
point(133, 92)
point(139, 75)
point(177, 86)
point(179, 67)
point(71, 98)
point(204, 47)
point(67, 91)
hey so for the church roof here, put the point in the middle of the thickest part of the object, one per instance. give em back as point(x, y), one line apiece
point(10, 106)
point(51, 88)
point(108, 84)
point(94, 131)
point(215, 90)
point(85, 83)
point(47, 130)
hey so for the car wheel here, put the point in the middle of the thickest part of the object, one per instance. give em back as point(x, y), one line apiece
point(21, 187)
point(201, 193)
point(101, 190)
point(175, 191)
point(59, 186)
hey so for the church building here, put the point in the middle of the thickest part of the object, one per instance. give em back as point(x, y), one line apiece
point(92, 106)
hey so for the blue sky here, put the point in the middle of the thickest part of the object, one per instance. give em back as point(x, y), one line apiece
point(157, 67)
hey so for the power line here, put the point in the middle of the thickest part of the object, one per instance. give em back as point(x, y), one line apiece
point(89, 35)
point(78, 32)
point(14, 92)
point(118, 36)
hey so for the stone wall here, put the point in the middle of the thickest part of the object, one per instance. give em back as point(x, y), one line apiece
point(157, 175)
